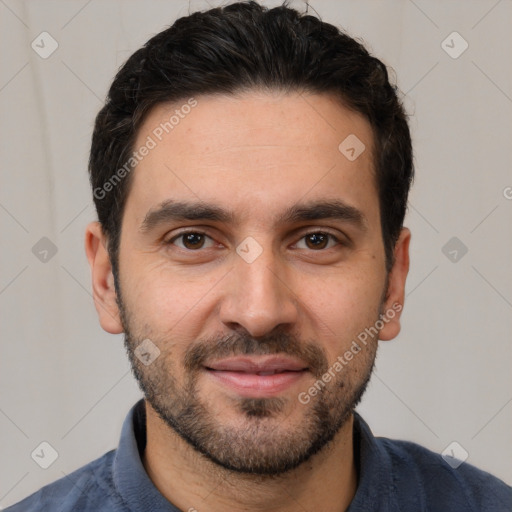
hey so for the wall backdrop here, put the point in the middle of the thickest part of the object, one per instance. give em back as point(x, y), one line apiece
point(447, 377)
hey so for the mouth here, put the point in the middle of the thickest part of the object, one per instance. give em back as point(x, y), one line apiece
point(257, 377)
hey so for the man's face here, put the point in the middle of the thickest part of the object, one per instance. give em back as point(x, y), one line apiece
point(281, 280)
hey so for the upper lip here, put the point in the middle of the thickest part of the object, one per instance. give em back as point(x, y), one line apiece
point(257, 364)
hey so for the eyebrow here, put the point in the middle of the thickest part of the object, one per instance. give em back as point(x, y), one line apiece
point(170, 210)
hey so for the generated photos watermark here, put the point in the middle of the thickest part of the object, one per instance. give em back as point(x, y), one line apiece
point(150, 143)
point(343, 360)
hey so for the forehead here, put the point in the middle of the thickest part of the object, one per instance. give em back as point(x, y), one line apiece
point(254, 152)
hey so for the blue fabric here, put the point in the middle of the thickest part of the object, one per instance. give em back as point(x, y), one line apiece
point(393, 476)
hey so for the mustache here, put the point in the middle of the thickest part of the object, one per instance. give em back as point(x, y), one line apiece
point(239, 344)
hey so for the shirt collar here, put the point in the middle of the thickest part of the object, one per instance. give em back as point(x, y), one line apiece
point(375, 478)
point(375, 472)
point(129, 475)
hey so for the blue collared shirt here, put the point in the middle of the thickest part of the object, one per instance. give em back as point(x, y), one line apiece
point(393, 476)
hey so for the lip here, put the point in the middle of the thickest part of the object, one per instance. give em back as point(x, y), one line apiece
point(247, 376)
point(257, 364)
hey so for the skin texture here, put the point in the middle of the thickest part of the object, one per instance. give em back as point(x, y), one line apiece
point(256, 154)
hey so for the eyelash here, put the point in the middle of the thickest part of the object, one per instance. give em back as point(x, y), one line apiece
point(202, 233)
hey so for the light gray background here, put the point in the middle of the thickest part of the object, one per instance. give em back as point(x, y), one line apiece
point(445, 378)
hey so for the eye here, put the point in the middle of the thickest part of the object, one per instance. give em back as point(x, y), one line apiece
point(319, 240)
point(195, 240)
point(191, 240)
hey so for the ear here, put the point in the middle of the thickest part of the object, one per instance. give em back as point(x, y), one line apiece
point(103, 290)
point(395, 297)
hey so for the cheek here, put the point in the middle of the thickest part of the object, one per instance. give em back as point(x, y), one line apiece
point(165, 303)
point(342, 307)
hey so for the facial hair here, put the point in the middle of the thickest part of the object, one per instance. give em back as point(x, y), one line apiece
point(259, 444)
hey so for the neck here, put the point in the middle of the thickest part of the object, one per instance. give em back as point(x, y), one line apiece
point(190, 481)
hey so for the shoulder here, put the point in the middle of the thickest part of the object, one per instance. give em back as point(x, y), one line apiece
point(439, 485)
point(89, 488)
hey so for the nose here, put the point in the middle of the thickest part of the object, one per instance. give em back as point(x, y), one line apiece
point(259, 296)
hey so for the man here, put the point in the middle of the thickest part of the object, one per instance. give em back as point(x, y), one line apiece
point(250, 171)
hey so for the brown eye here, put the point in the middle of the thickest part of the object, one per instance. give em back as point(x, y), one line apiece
point(191, 240)
point(319, 240)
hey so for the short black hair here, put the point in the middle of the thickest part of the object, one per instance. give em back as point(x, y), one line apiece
point(240, 47)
